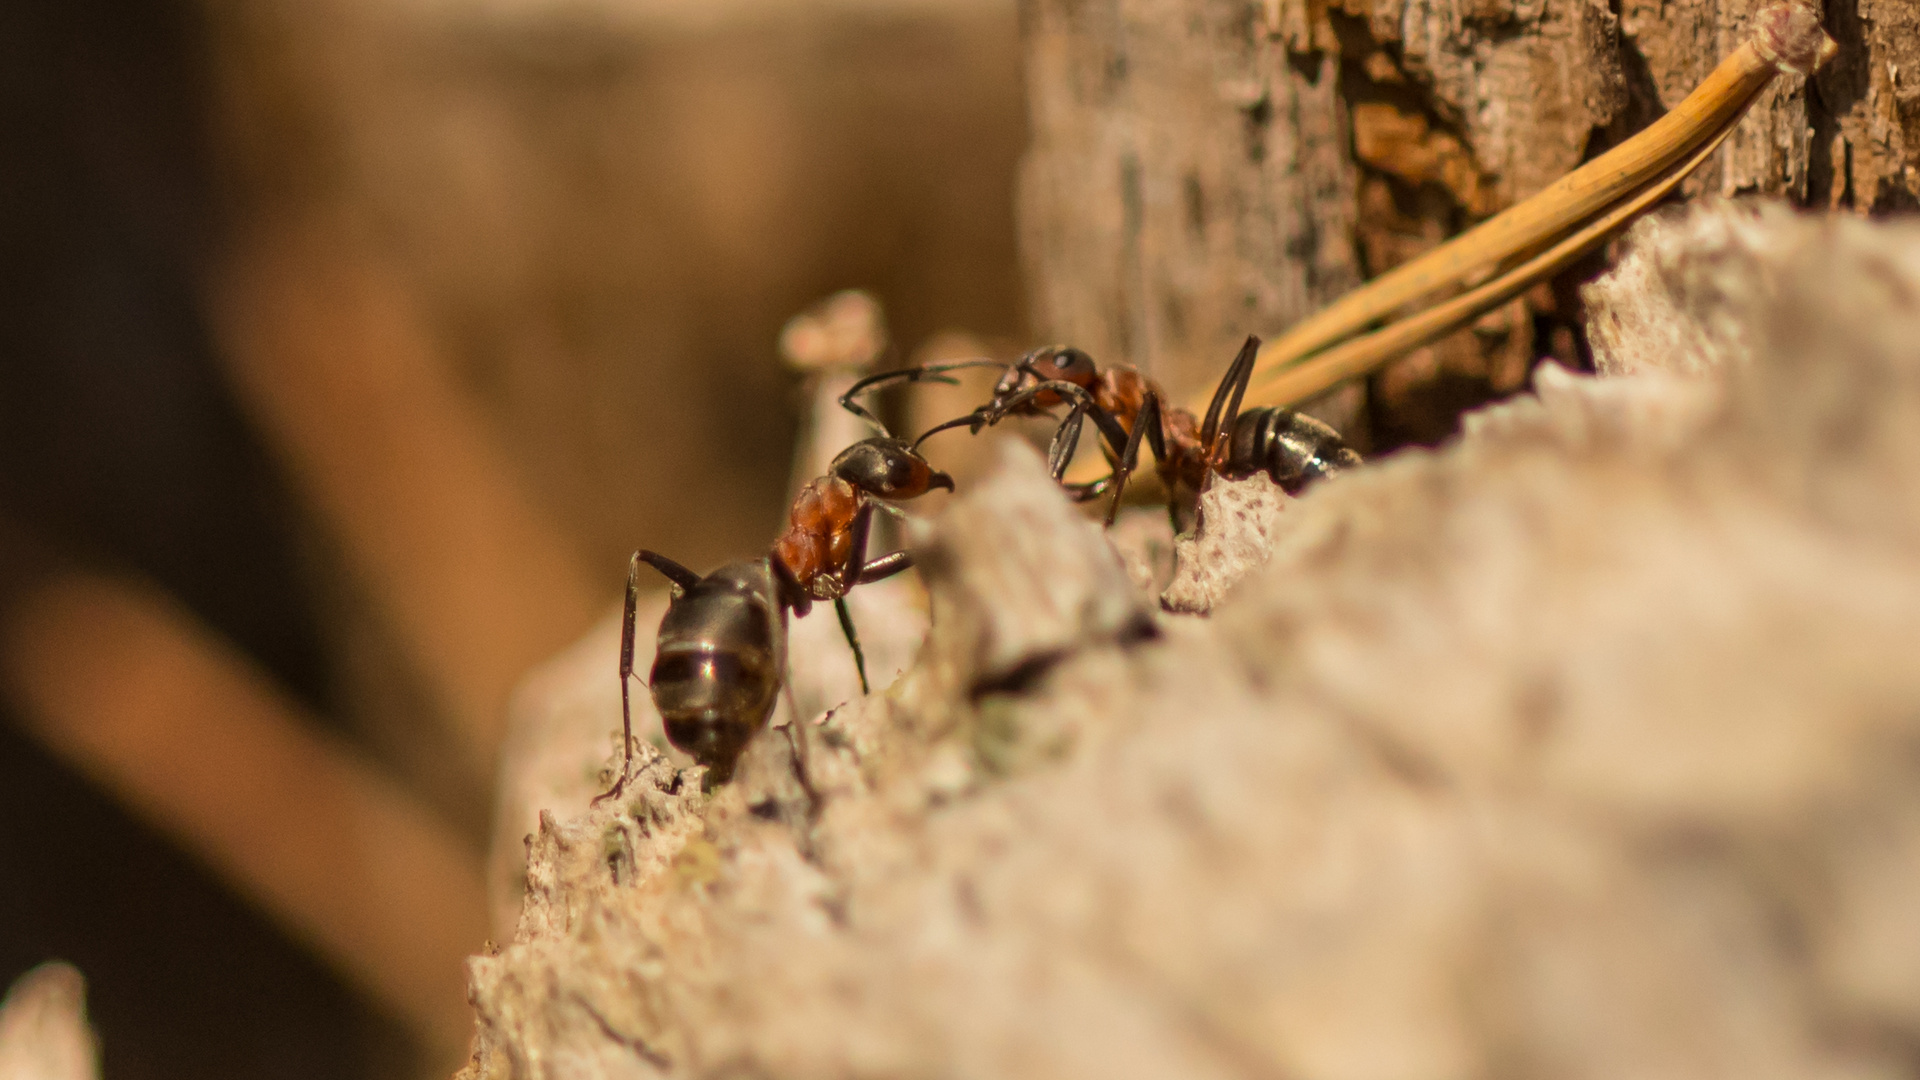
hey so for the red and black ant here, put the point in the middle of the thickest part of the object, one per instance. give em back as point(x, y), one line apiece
point(1127, 408)
point(722, 648)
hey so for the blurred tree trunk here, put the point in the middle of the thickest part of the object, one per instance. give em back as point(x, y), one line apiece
point(1205, 169)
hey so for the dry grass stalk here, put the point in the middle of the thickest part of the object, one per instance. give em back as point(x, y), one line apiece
point(1525, 244)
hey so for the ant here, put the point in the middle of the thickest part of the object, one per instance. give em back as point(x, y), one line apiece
point(1126, 408)
point(722, 653)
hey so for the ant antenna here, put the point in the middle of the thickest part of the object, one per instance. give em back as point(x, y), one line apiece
point(974, 419)
point(924, 373)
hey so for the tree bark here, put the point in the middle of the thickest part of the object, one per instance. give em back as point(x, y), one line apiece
point(1205, 169)
point(1580, 748)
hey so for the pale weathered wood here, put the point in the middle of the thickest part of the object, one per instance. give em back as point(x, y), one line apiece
point(1186, 185)
point(1572, 750)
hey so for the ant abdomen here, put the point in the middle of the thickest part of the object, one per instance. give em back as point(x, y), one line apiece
point(1293, 448)
point(717, 673)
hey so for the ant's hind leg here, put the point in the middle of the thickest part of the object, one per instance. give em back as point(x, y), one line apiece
point(672, 571)
point(626, 675)
point(1224, 409)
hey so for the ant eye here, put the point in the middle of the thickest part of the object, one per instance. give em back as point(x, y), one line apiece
point(1072, 365)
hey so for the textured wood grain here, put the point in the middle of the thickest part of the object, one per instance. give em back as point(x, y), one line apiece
point(1203, 169)
point(1188, 181)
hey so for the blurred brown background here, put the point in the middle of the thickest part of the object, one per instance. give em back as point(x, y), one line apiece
point(349, 348)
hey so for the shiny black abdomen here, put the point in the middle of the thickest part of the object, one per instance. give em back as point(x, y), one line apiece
point(1291, 447)
point(716, 674)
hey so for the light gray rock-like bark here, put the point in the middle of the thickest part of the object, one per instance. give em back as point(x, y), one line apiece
point(1581, 747)
point(1238, 522)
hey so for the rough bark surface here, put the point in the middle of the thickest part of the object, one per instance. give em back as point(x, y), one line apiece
point(1582, 747)
point(1184, 187)
point(1205, 169)
point(1238, 521)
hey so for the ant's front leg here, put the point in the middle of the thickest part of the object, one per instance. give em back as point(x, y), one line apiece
point(878, 570)
point(1224, 409)
point(849, 575)
point(626, 671)
point(1146, 426)
point(1066, 439)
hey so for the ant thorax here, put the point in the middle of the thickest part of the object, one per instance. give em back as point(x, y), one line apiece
point(819, 540)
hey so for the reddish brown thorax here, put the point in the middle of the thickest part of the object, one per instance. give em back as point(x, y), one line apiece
point(818, 546)
point(818, 537)
point(1122, 391)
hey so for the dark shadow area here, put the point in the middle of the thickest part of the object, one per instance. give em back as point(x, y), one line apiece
point(120, 445)
point(183, 980)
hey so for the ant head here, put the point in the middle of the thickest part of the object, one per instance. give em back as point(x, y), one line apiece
point(1063, 363)
point(1054, 363)
point(888, 469)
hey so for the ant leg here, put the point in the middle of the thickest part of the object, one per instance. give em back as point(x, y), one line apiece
point(1110, 430)
point(1066, 439)
point(853, 640)
point(1156, 433)
point(857, 531)
point(1233, 385)
point(878, 570)
point(790, 590)
point(974, 420)
point(884, 567)
point(850, 575)
point(673, 571)
point(1089, 491)
point(1148, 419)
point(626, 676)
point(1116, 436)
